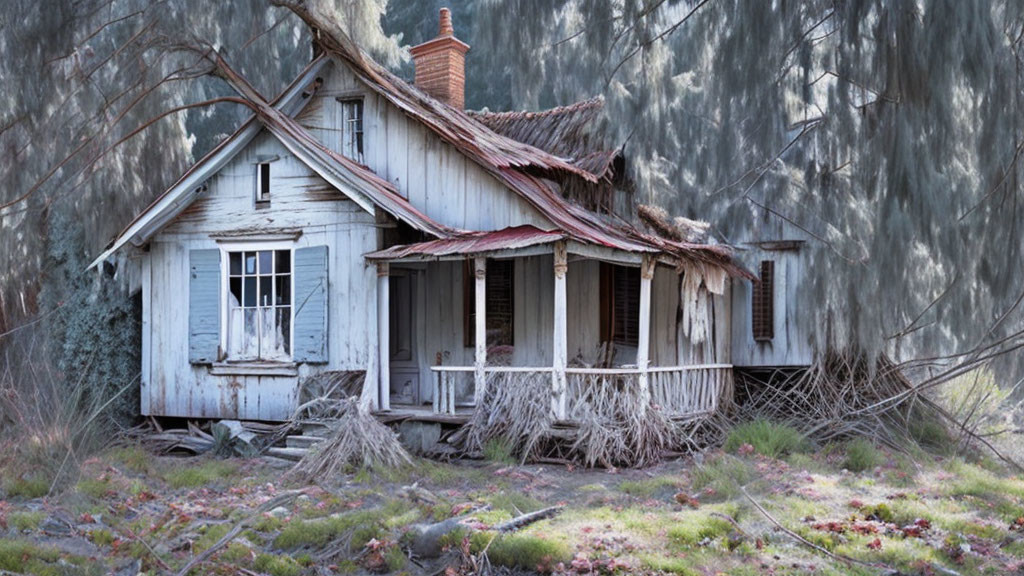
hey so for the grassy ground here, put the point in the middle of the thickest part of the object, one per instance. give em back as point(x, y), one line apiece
point(132, 511)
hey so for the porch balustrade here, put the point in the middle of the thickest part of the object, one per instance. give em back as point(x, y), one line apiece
point(681, 391)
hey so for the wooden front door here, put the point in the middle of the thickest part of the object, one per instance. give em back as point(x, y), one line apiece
point(403, 316)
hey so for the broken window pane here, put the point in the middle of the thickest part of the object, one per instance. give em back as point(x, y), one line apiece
point(259, 305)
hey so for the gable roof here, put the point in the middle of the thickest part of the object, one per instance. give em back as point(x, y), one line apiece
point(358, 182)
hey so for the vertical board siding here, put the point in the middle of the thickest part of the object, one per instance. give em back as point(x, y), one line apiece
point(790, 344)
point(203, 306)
point(301, 200)
point(309, 333)
point(434, 176)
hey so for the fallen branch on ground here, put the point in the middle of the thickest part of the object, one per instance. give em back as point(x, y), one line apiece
point(279, 500)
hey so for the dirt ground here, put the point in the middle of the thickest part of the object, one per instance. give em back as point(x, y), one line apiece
point(134, 512)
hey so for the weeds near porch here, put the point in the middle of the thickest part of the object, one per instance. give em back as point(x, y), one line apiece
point(861, 455)
point(771, 439)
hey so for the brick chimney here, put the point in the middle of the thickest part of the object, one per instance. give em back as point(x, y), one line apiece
point(441, 65)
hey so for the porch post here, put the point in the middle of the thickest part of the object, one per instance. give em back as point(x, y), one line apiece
point(559, 349)
point(383, 336)
point(480, 329)
point(644, 337)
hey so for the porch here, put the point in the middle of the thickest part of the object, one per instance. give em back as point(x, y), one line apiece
point(632, 340)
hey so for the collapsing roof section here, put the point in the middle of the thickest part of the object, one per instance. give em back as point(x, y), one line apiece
point(566, 131)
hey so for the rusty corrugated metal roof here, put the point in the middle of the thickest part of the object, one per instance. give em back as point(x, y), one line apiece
point(467, 243)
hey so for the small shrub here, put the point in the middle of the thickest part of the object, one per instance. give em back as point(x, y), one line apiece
point(319, 532)
point(133, 457)
point(514, 503)
point(695, 527)
point(650, 486)
point(197, 476)
point(522, 551)
point(277, 565)
point(395, 558)
point(929, 432)
point(25, 557)
point(722, 475)
point(22, 521)
point(93, 488)
point(768, 438)
point(28, 487)
point(861, 455)
point(101, 537)
point(499, 450)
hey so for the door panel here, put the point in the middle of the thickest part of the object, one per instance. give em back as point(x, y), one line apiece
point(403, 317)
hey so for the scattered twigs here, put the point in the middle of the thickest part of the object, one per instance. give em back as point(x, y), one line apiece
point(279, 500)
point(358, 440)
point(804, 541)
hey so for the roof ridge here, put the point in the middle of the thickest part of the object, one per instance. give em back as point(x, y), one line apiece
point(585, 104)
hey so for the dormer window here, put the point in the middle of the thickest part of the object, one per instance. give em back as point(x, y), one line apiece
point(352, 128)
point(263, 182)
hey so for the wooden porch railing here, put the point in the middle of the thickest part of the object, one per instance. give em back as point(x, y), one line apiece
point(679, 390)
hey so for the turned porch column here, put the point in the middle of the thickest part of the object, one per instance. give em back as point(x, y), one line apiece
point(560, 347)
point(644, 337)
point(480, 329)
point(383, 336)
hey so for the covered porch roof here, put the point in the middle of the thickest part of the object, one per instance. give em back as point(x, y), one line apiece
point(527, 240)
point(516, 241)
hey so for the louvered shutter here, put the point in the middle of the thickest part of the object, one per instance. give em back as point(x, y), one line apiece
point(310, 330)
point(204, 306)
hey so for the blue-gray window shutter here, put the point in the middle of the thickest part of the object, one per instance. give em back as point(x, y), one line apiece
point(310, 330)
point(203, 306)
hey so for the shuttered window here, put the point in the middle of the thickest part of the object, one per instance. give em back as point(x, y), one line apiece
point(259, 305)
point(762, 303)
point(620, 304)
point(500, 296)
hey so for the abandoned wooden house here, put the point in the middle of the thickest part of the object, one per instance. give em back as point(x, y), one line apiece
point(361, 223)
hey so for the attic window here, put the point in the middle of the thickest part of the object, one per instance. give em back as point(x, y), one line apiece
point(263, 182)
point(500, 303)
point(762, 303)
point(620, 304)
point(352, 128)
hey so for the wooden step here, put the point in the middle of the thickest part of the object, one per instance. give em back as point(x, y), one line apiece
point(293, 454)
point(304, 441)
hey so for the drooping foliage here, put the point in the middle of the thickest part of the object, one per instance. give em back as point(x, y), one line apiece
point(887, 133)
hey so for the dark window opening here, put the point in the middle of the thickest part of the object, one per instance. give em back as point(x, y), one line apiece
point(263, 182)
point(620, 304)
point(500, 297)
point(762, 303)
point(352, 129)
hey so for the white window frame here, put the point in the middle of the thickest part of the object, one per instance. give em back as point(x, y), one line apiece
point(226, 249)
point(347, 133)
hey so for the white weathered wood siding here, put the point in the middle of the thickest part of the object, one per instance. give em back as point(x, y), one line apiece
point(434, 176)
point(299, 199)
point(791, 344)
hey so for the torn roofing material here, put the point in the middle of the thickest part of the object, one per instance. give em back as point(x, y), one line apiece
point(566, 131)
point(468, 243)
